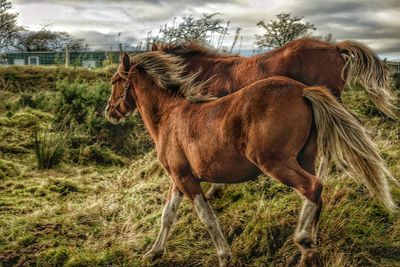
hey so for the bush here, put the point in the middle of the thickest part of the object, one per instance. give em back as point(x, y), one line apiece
point(44, 100)
point(38, 78)
point(84, 104)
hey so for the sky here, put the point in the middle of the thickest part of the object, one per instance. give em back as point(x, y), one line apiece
point(373, 22)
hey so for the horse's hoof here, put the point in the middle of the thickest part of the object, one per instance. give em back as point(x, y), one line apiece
point(152, 255)
point(223, 263)
point(224, 259)
point(311, 260)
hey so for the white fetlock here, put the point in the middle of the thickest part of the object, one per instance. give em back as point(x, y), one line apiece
point(152, 254)
point(224, 257)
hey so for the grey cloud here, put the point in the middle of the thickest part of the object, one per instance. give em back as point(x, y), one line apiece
point(366, 20)
point(154, 2)
point(317, 7)
point(97, 40)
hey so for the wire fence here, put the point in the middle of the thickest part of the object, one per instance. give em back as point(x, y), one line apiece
point(88, 59)
point(93, 56)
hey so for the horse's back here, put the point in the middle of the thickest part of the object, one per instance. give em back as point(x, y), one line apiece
point(310, 61)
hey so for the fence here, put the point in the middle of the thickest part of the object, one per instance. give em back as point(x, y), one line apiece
point(394, 66)
point(87, 59)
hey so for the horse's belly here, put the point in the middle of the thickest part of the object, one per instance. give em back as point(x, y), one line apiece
point(226, 170)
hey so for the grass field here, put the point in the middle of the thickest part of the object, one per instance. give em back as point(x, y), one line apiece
point(101, 205)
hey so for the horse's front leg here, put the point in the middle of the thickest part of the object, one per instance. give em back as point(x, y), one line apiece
point(171, 206)
point(191, 187)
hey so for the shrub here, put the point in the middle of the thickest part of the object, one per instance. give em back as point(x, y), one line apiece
point(84, 104)
point(44, 100)
point(38, 78)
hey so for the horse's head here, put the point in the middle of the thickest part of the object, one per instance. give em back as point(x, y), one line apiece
point(121, 103)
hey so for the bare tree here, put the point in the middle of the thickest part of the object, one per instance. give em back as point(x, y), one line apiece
point(44, 40)
point(283, 30)
point(200, 30)
point(76, 45)
point(8, 25)
point(235, 39)
point(329, 38)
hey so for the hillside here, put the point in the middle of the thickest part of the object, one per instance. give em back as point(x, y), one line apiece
point(101, 205)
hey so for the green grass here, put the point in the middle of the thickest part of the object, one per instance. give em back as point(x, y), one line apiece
point(102, 208)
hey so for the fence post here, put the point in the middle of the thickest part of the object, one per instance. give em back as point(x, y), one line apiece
point(67, 55)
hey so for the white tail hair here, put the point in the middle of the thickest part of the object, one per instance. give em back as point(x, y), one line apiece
point(344, 141)
point(365, 67)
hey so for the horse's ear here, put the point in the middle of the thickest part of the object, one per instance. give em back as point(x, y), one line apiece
point(154, 47)
point(125, 61)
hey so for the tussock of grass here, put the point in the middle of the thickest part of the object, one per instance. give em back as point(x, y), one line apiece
point(49, 148)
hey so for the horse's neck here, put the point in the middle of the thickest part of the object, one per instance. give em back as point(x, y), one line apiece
point(153, 103)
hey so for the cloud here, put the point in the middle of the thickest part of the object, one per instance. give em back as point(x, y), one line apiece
point(97, 40)
point(376, 23)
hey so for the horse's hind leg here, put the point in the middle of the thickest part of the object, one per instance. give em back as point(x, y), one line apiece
point(290, 173)
point(171, 206)
point(306, 159)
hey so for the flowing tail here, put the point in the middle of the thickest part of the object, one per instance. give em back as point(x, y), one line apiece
point(365, 67)
point(344, 141)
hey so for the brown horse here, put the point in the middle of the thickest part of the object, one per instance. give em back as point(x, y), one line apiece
point(310, 61)
point(235, 138)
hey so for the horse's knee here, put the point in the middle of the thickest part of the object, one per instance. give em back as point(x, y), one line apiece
point(291, 175)
point(313, 191)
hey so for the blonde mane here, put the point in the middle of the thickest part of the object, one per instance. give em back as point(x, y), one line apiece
point(168, 71)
